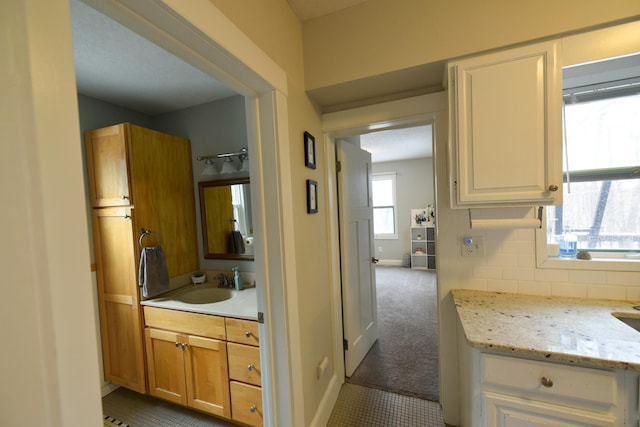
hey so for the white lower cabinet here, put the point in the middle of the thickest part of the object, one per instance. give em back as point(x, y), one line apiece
point(506, 391)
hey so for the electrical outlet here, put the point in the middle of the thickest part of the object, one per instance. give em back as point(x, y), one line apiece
point(379, 248)
point(473, 246)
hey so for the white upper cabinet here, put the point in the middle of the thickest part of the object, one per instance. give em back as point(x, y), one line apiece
point(506, 127)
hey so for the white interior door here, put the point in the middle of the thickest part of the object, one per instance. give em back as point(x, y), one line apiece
point(359, 307)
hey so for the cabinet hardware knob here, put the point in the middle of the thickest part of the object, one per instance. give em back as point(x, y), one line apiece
point(124, 197)
point(546, 382)
point(126, 216)
point(553, 187)
point(177, 344)
point(248, 334)
point(253, 408)
point(250, 367)
point(184, 345)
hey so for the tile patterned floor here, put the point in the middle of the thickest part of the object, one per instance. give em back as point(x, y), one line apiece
point(357, 406)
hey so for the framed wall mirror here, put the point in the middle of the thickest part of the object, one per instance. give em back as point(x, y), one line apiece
point(226, 217)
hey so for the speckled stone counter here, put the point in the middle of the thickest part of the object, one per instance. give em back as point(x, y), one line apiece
point(572, 330)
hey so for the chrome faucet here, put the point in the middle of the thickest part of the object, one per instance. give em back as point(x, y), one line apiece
point(224, 281)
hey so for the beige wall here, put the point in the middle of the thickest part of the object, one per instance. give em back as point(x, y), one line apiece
point(381, 36)
point(272, 26)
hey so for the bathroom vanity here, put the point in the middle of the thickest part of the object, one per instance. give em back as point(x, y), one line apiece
point(203, 351)
point(539, 361)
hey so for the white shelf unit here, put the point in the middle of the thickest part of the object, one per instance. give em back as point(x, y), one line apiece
point(423, 247)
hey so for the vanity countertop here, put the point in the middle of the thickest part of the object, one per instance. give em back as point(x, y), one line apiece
point(242, 304)
point(571, 330)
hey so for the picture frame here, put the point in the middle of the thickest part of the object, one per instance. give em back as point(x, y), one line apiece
point(309, 150)
point(312, 196)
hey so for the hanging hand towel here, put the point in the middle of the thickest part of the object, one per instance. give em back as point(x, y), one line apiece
point(237, 242)
point(153, 274)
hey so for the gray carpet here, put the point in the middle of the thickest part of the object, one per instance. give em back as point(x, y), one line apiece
point(404, 360)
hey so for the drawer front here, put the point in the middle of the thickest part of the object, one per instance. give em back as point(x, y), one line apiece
point(242, 331)
point(190, 323)
point(246, 403)
point(244, 363)
point(551, 380)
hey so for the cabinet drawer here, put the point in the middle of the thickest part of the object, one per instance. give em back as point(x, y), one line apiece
point(246, 403)
point(242, 331)
point(244, 363)
point(190, 323)
point(571, 383)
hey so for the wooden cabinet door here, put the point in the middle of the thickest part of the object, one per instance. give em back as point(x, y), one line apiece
point(108, 166)
point(207, 377)
point(162, 182)
point(118, 298)
point(506, 125)
point(165, 365)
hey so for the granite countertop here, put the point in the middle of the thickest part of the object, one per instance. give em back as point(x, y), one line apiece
point(242, 304)
point(573, 330)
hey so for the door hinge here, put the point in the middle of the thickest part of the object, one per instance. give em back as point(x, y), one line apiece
point(260, 317)
point(338, 166)
point(345, 345)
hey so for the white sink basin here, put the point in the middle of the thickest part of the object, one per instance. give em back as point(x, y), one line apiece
point(197, 295)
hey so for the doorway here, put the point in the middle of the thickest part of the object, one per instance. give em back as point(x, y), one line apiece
point(404, 359)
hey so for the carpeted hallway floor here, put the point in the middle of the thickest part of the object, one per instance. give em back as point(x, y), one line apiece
point(404, 360)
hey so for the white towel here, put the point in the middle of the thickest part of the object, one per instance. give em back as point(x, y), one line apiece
point(153, 273)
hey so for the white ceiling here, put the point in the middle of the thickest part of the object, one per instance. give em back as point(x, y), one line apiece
point(398, 144)
point(116, 65)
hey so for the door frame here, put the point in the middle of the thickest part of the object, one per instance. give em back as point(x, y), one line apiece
point(416, 111)
point(202, 35)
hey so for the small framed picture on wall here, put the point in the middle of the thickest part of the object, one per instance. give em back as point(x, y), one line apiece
point(309, 150)
point(312, 196)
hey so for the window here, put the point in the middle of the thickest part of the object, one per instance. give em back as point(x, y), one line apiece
point(601, 168)
point(384, 206)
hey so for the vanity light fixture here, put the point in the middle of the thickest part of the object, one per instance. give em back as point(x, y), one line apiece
point(228, 165)
point(209, 168)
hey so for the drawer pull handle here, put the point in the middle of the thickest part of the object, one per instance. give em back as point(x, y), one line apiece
point(546, 382)
point(253, 408)
point(250, 367)
point(553, 187)
point(248, 334)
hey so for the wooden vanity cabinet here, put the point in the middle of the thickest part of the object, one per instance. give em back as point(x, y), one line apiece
point(244, 371)
point(138, 178)
point(184, 368)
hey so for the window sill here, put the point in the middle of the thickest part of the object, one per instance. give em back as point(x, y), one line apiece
point(610, 264)
point(385, 237)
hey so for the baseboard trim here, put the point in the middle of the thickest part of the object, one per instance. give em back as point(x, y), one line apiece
point(108, 388)
point(327, 403)
point(390, 262)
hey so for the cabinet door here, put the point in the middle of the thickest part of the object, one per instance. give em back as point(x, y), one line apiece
point(165, 365)
point(506, 127)
point(162, 183)
point(108, 166)
point(508, 411)
point(118, 297)
point(207, 375)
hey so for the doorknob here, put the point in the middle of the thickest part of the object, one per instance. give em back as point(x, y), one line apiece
point(374, 260)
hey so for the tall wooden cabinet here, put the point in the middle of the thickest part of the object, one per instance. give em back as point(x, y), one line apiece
point(138, 178)
point(506, 127)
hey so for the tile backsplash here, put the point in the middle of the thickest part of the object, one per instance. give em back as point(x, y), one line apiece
point(509, 265)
